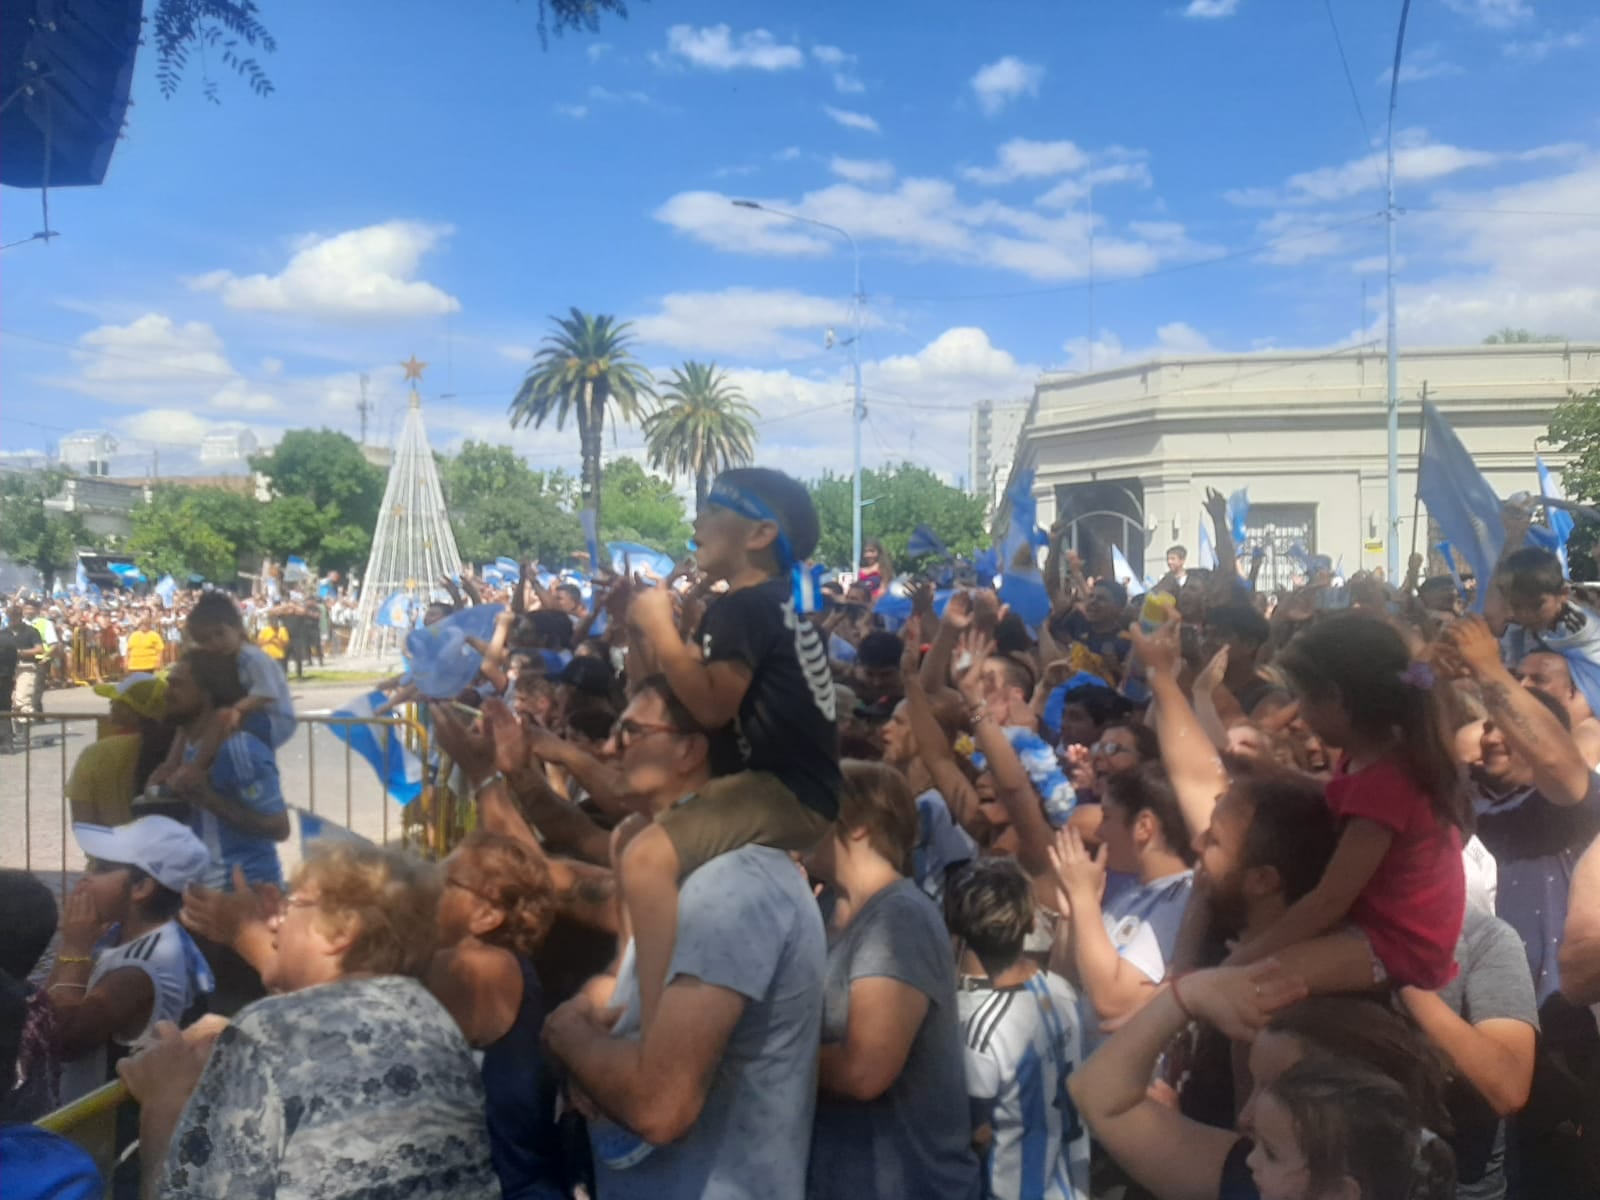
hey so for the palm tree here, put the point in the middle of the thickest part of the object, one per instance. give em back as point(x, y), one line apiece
point(585, 365)
point(703, 427)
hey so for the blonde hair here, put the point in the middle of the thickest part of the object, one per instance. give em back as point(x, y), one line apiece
point(389, 898)
point(511, 877)
point(878, 798)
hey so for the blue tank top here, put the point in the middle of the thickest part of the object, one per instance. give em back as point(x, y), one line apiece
point(520, 1103)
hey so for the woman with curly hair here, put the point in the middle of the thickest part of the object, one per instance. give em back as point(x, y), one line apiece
point(496, 908)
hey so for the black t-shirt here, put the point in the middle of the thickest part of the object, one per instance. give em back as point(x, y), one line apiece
point(22, 637)
point(1113, 645)
point(8, 661)
point(787, 722)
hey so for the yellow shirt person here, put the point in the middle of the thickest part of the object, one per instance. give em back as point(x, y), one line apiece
point(274, 639)
point(145, 647)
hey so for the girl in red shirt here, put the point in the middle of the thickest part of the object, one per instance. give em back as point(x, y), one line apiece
point(1389, 907)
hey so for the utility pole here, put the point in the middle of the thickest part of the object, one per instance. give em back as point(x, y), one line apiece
point(363, 406)
point(1393, 354)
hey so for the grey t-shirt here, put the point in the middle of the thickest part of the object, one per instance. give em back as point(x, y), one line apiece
point(746, 922)
point(1493, 984)
point(916, 1138)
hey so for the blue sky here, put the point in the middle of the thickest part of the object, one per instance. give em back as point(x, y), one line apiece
point(430, 182)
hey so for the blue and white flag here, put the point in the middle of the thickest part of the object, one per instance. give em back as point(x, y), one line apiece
point(808, 597)
point(492, 575)
point(58, 590)
point(632, 556)
point(1124, 572)
point(1460, 499)
point(127, 574)
point(1021, 582)
point(397, 612)
point(313, 828)
point(1553, 534)
point(893, 608)
point(167, 589)
point(1207, 557)
point(397, 768)
point(80, 580)
point(295, 569)
point(1238, 516)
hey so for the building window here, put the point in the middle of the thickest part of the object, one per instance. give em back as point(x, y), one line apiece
point(1097, 516)
point(1287, 534)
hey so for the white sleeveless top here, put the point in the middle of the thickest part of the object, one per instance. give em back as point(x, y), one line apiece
point(161, 955)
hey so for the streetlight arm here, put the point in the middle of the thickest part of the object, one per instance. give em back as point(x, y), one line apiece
point(789, 216)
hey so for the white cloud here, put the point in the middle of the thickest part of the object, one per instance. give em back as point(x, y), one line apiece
point(787, 154)
point(862, 170)
point(926, 218)
point(1004, 80)
point(515, 352)
point(715, 48)
point(363, 274)
point(1211, 10)
point(576, 111)
point(597, 50)
point(607, 96)
point(1540, 48)
point(1021, 158)
point(1417, 159)
point(746, 322)
point(1513, 260)
point(1069, 191)
point(151, 354)
point(169, 426)
point(1175, 339)
point(1493, 14)
point(1427, 62)
point(852, 120)
point(842, 64)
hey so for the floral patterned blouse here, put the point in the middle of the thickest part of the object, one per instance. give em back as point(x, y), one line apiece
point(363, 1087)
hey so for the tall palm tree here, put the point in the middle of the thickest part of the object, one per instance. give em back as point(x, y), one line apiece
point(584, 366)
point(702, 428)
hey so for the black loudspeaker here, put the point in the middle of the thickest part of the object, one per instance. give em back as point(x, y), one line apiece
point(65, 70)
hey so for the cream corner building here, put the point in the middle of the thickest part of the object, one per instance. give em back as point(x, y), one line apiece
point(1128, 453)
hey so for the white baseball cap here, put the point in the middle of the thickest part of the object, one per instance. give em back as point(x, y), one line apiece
point(162, 848)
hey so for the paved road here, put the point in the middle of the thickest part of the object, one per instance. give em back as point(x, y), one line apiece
point(317, 774)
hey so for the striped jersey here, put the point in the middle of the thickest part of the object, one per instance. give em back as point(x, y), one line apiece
point(1022, 1044)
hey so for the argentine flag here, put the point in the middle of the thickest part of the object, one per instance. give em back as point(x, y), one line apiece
point(397, 768)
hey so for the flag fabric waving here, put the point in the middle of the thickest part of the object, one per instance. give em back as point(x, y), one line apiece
point(1553, 534)
point(924, 542)
point(1207, 556)
point(167, 589)
point(1460, 499)
point(1124, 572)
point(397, 768)
point(397, 611)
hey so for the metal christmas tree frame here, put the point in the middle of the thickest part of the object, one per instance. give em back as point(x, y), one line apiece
point(413, 546)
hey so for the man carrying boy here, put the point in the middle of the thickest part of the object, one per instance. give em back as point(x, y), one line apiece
point(758, 666)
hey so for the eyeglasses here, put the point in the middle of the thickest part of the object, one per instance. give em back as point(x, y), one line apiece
point(1109, 749)
point(628, 731)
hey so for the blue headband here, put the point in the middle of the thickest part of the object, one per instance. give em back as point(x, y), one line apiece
point(753, 508)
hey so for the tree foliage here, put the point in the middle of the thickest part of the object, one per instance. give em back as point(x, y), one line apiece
point(902, 496)
point(640, 507)
point(702, 427)
point(1507, 335)
point(203, 531)
point(229, 28)
point(327, 471)
point(32, 534)
point(584, 369)
point(499, 505)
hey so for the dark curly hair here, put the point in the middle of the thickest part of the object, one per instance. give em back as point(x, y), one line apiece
point(511, 877)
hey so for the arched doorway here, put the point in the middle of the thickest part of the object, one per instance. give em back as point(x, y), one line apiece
point(1099, 515)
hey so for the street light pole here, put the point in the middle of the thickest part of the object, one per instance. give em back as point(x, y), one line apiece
point(858, 299)
point(1393, 354)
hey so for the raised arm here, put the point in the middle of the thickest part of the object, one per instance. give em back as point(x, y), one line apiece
point(1186, 751)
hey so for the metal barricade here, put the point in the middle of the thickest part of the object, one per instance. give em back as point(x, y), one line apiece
point(34, 778)
point(90, 1122)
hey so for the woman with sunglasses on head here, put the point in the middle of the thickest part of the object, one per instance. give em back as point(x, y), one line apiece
point(495, 910)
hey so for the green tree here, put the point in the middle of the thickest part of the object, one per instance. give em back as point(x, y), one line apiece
point(902, 496)
point(584, 367)
point(209, 532)
point(499, 505)
point(1507, 335)
point(1575, 431)
point(640, 507)
point(703, 427)
point(328, 470)
point(32, 534)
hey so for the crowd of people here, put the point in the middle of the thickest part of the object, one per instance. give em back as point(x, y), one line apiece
point(1207, 895)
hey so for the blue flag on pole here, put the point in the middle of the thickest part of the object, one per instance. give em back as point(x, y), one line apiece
point(1553, 534)
point(924, 542)
point(1460, 499)
point(1238, 516)
point(1021, 582)
point(397, 768)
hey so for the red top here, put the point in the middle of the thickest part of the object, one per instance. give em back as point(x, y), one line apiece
point(1412, 907)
